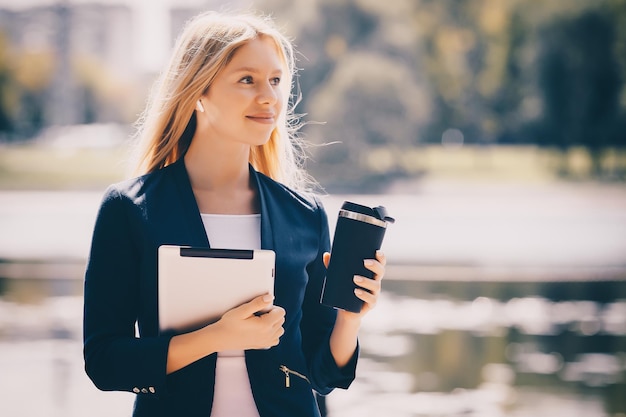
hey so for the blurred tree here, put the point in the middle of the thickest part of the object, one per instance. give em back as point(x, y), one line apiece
point(452, 56)
point(103, 97)
point(479, 66)
point(6, 123)
point(580, 84)
point(508, 97)
point(367, 107)
point(358, 80)
point(24, 79)
point(32, 76)
point(616, 10)
point(331, 29)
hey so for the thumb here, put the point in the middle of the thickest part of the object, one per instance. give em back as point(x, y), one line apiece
point(257, 304)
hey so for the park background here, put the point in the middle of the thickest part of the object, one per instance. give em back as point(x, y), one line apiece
point(494, 131)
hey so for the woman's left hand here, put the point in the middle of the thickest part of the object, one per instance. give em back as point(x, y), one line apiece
point(368, 289)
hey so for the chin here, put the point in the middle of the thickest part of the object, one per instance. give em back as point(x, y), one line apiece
point(260, 141)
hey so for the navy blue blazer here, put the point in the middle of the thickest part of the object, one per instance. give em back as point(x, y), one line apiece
point(139, 215)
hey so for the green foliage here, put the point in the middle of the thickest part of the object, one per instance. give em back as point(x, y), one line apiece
point(401, 73)
point(6, 122)
point(579, 80)
point(24, 79)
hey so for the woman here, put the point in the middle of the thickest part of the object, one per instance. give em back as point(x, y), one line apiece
point(216, 161)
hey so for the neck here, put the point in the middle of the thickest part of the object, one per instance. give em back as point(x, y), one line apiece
point(217, 168)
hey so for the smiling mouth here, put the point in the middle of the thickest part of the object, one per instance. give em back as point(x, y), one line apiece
point(262, 119)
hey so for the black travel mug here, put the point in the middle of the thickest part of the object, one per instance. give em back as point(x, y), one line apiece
point(358, 235)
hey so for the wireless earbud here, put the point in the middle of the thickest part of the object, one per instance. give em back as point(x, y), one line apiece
point(199, 106)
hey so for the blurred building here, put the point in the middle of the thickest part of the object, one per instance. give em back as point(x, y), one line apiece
point(180, 13)
point(96, 33)
point(101, 31)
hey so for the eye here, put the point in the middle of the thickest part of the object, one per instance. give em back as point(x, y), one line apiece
point(275, 81)
point(246, 80)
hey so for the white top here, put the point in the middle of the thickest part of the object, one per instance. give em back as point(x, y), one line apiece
point(233, 394)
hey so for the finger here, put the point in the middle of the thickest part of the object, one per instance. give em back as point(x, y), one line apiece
point(276, 315)
point(274, 318)
point(367, 297)
point(326, 259)
point(380, 256)
point(371, 285)
point(257, 304)
point(376, 267)
point(280, 332)
point(276, 338)
point(278, 325)
point(278, 311)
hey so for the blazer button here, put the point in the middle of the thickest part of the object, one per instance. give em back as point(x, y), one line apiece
point(151, 389)
point(143, 390)
point(136, 390)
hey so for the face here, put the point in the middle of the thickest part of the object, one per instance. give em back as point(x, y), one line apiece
point(244, 101)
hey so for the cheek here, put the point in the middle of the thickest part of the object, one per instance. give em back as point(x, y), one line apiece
point(222, 110)
point(280, 103)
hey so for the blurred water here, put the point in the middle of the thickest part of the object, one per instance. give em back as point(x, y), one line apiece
point(425, 352)
point(433, 352)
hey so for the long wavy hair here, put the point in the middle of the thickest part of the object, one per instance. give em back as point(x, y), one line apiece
point(205, 46)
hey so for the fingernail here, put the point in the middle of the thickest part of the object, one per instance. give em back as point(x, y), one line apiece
point(369, 262)
point(358, 291)
point(358, 278)
point(268, 297)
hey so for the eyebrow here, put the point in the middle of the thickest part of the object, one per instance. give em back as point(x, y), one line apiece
point(255, 70)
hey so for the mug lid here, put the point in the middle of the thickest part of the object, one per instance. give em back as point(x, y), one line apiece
point(379, 212)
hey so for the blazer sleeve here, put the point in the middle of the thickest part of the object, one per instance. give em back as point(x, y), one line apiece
point(114, 358)
point(318, 322)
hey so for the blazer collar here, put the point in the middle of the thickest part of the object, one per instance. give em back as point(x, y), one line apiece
point(193, 221)
point(267, 236)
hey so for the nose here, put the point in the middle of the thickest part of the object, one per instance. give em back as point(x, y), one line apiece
point(268, 94)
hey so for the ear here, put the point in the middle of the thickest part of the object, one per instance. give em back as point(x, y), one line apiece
point(199, 106)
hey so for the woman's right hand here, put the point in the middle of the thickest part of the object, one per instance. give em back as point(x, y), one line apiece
point(239, 329)
point(244, 328)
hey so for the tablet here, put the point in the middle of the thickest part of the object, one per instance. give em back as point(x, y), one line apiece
point(196, 286)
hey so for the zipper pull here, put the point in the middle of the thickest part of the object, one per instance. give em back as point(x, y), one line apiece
point(286, 371)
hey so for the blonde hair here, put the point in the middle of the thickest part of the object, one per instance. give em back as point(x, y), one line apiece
point(206, 44)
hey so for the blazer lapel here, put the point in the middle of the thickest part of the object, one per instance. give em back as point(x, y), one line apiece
point(191, 214)
point(267, 236)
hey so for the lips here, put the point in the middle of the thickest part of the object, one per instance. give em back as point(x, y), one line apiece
point(265, 118)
